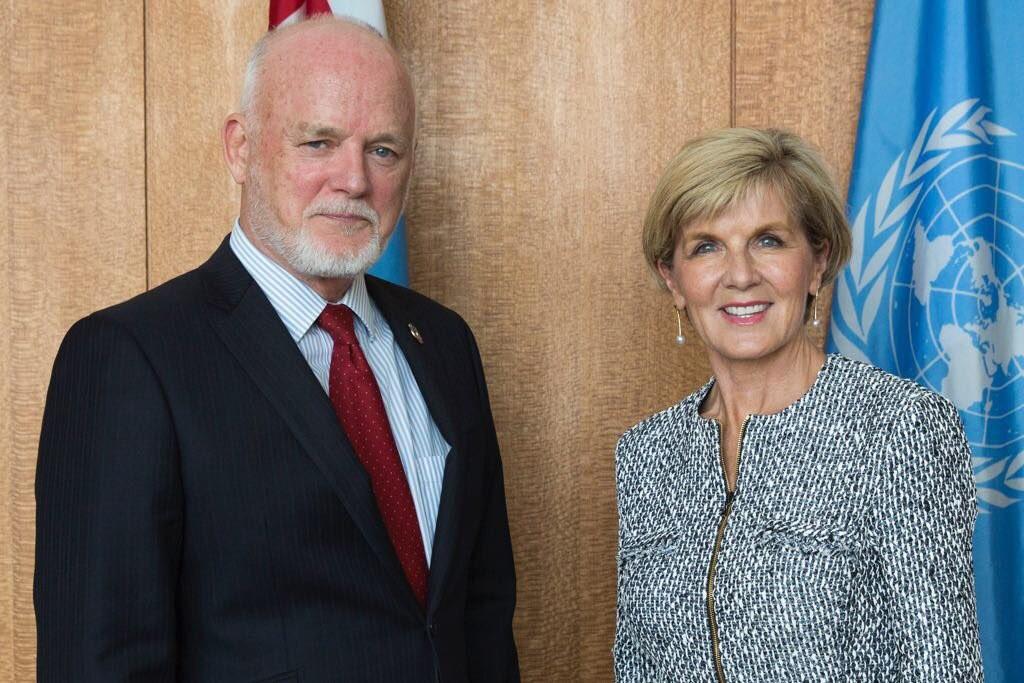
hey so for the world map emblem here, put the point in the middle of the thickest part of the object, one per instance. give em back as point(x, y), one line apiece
point(940, 248)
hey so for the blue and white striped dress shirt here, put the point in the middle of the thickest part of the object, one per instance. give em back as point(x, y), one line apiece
point(420, 445)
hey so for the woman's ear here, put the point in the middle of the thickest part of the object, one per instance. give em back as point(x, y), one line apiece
point(668, 276)
point(820, 263)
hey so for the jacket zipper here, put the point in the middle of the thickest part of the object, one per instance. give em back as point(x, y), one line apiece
point(730, 495)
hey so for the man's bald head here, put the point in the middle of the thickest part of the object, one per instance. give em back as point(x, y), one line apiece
point(289, 46)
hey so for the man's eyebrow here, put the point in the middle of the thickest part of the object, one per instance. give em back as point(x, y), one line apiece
point(319, 130)
point(390, 138)
point(315, 130)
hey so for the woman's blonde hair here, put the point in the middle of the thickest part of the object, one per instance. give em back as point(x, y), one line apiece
point(713, 172)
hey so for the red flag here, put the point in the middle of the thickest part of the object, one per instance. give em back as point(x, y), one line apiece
point(282, 11)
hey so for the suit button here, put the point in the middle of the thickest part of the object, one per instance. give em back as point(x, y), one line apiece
point(432, 629)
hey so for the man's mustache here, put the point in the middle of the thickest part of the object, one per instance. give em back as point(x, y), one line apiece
point(353, 207)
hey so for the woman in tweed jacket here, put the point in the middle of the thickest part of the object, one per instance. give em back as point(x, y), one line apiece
point(800, 517)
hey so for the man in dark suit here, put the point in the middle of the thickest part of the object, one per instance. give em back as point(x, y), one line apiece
point(275, 468)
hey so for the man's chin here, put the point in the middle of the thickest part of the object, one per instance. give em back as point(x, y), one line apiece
point(331, 264)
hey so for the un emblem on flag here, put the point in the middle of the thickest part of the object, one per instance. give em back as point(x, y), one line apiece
point(948, 256)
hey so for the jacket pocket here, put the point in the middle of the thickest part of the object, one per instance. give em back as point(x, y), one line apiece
point(807, 540)
point(660, 547)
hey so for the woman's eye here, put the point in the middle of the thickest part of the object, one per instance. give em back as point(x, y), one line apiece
point(769, 241)
point(704, 248)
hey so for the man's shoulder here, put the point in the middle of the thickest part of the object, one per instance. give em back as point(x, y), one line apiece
point(221, 279)
point(143, 324)
point(174, 309)
point(171, 300)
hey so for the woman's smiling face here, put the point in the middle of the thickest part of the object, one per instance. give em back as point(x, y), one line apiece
point(743, 278)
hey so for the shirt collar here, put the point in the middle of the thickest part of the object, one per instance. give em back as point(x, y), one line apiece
point(295, 302)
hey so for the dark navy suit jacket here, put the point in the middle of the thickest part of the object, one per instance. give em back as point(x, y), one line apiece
point(201, 515)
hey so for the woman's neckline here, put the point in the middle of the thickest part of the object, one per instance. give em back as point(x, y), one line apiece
point(806, 396)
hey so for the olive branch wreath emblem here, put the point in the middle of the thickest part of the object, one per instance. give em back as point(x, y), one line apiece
point(880, 221)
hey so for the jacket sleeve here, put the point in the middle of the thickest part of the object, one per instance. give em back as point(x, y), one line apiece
point(108, 515)
point(491, 590)
point(630, 663)
point(924, 518)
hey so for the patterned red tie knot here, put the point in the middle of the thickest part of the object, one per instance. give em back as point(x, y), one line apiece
point(337, 320)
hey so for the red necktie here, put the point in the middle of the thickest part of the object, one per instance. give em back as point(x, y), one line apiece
point(357, 402)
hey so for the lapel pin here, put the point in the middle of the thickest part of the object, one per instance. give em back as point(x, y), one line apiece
point(415, 333)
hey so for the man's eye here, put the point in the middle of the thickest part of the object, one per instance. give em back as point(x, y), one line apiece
point(382, 152)
point(315, 144)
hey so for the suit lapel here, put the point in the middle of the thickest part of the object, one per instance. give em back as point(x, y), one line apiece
point(426, 364)
point(255, 335)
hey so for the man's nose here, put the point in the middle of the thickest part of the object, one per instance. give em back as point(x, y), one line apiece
point(347, 170)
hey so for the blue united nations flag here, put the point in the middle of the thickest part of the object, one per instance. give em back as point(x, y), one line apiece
point(935, 288)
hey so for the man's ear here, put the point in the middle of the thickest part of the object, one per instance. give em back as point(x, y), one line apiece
point(237, 147)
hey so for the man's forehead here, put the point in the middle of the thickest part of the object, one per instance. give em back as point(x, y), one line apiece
point(364, 74)
point(338, 45)
point(330, 77)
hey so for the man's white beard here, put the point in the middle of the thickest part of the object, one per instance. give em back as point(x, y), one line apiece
point(298, 247)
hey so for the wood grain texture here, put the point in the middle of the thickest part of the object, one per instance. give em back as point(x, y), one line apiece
point(544, 127)
point(195, 56)
point(71, 171)
point(800, 66)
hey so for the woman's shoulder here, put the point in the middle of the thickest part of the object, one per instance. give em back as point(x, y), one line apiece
point(671, 424)
point(870, 390)
point(648, 429)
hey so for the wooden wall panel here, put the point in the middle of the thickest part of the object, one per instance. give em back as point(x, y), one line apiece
point(800, 66)
point(543, 129)
point(9, 646)
point(195, 56)
point(72, 206)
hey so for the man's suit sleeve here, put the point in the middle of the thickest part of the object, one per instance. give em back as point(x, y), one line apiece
point(491, 594)
point(108, 514)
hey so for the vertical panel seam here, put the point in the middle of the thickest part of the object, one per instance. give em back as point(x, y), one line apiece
point(732, 63)
point(145, 142)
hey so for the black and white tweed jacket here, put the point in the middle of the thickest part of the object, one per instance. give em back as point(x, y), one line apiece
point(844, 554)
